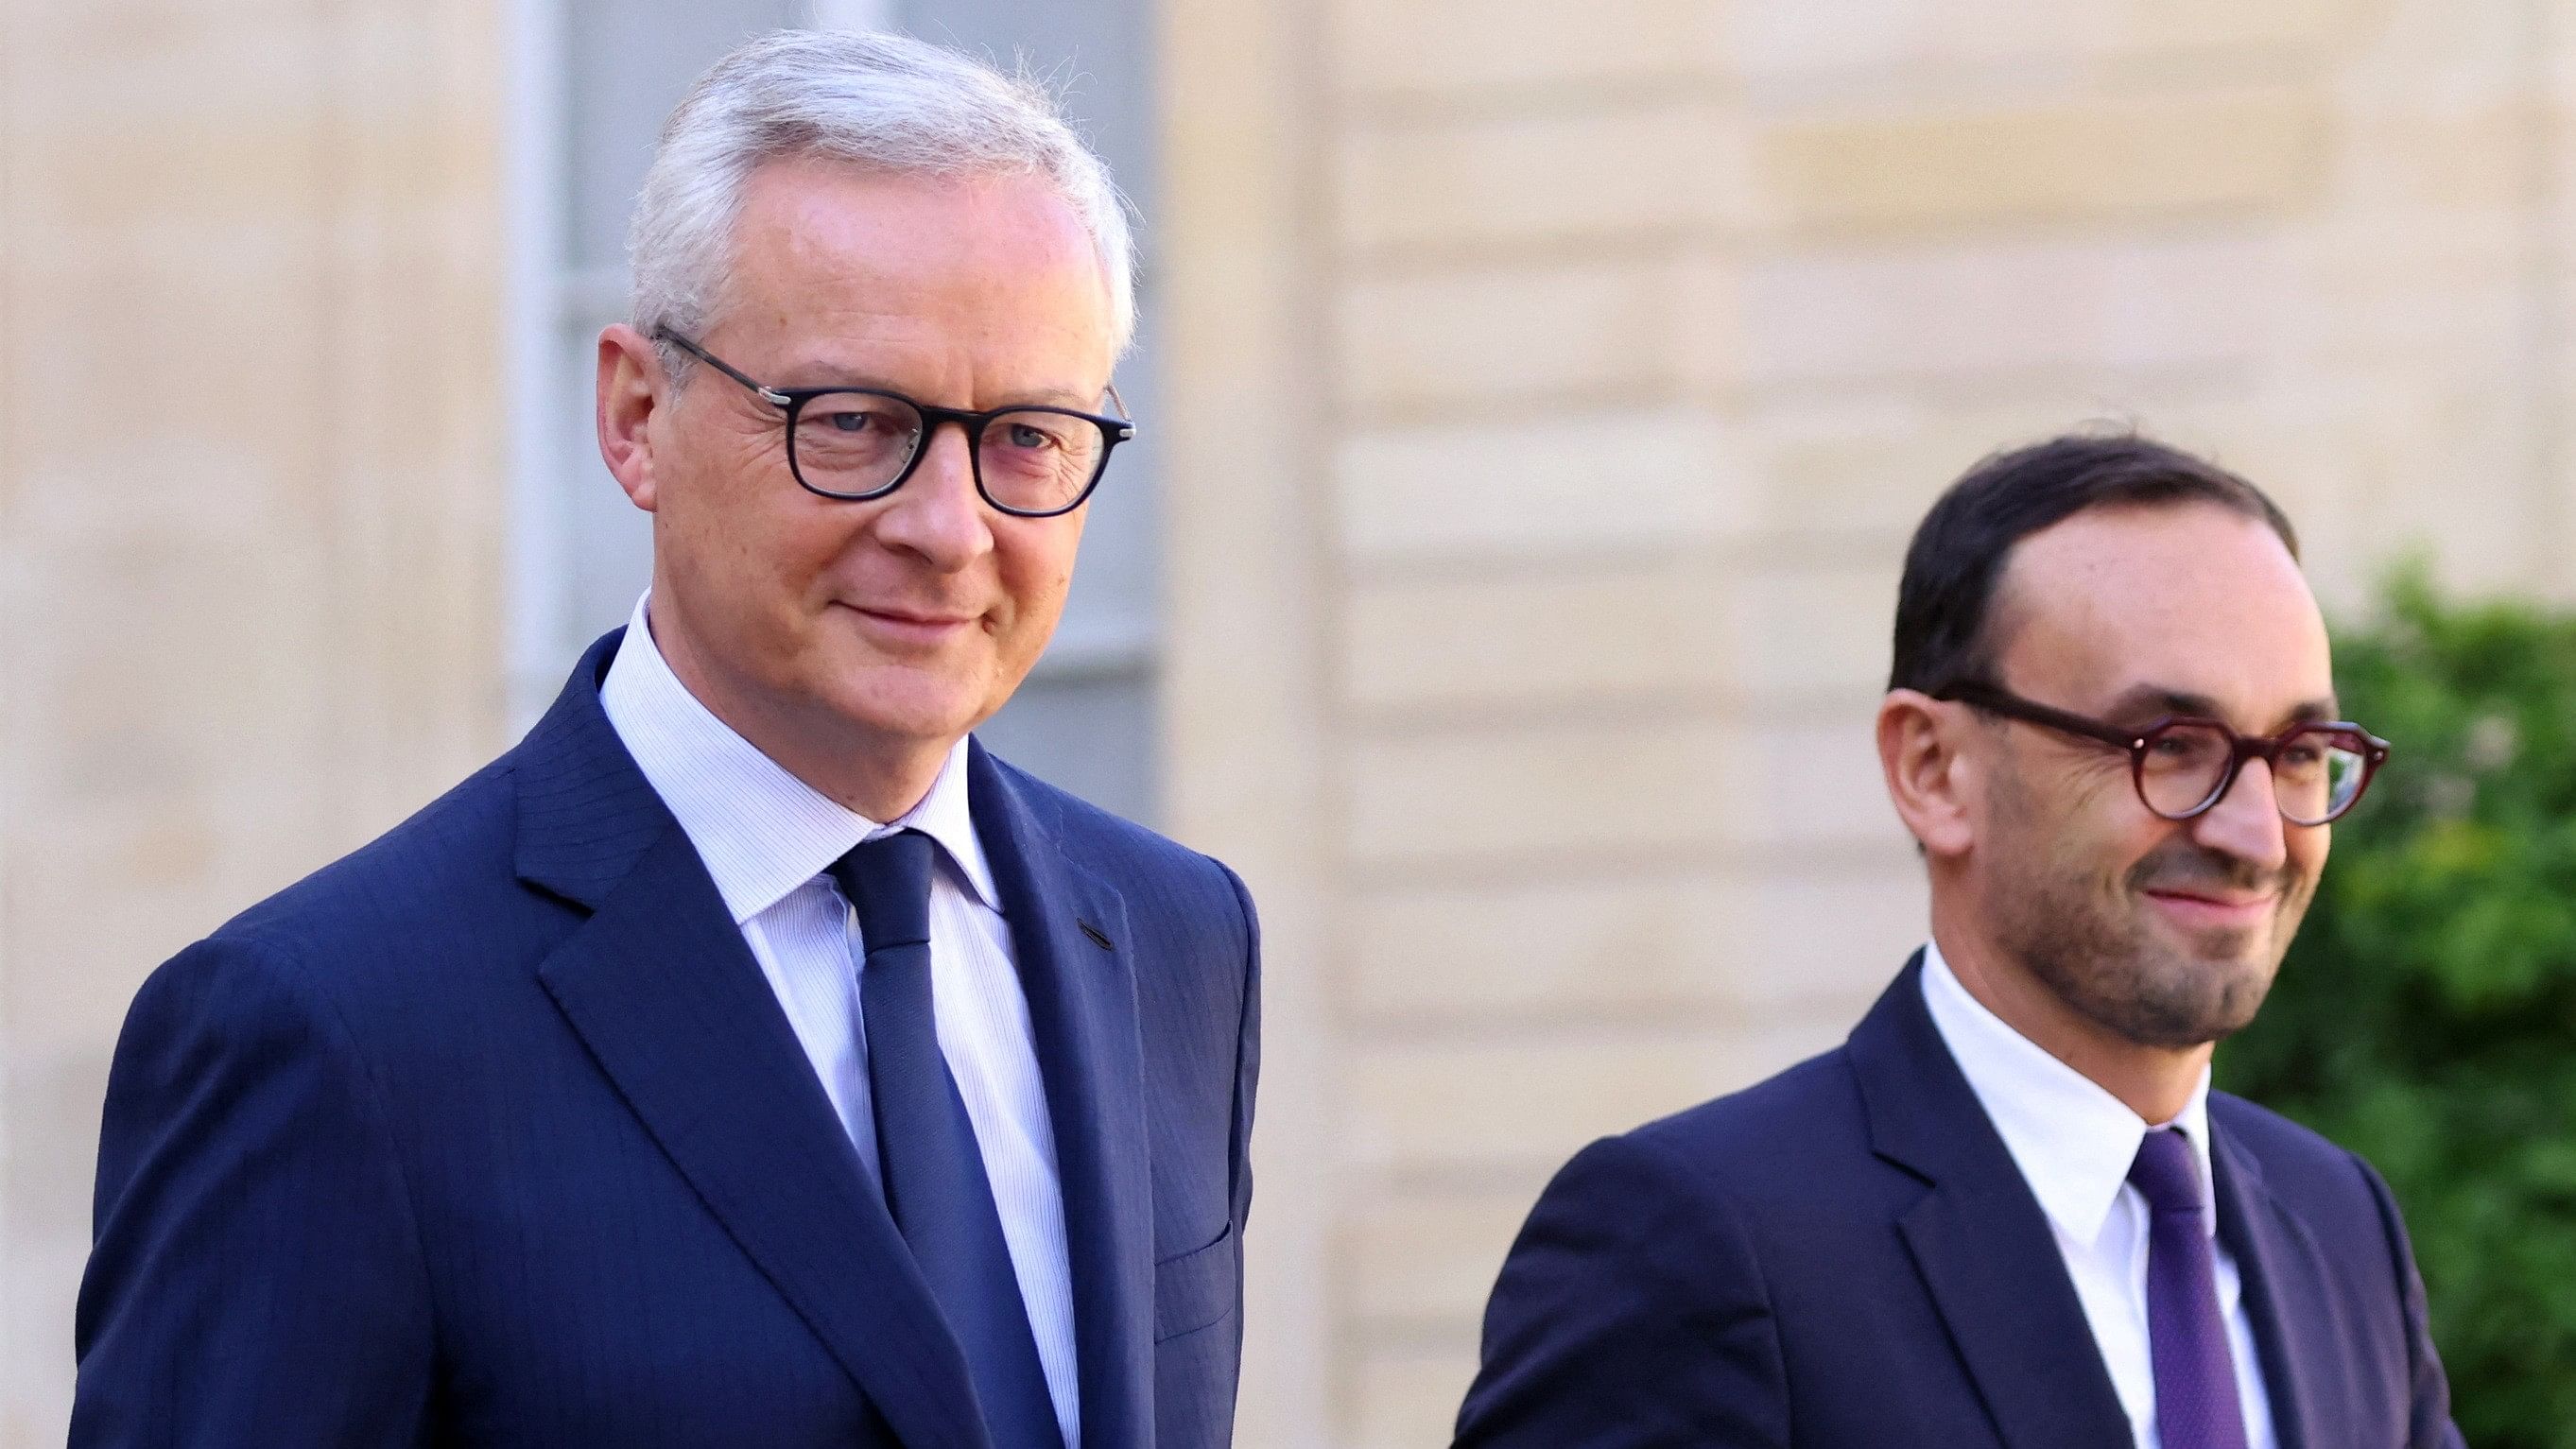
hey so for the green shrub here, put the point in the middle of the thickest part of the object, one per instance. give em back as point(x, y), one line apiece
point(2426, 1016)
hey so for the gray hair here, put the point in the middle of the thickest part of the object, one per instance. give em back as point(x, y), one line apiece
point(880, 101)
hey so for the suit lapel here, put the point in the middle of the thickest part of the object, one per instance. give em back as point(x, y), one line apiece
point(1069, 931)
point(2286, 1299)
point(661, 988)
point(1979, 1238)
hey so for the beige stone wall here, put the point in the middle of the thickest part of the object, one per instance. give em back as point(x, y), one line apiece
point(1552, 387)
point(1556, 387)
point(251, 477)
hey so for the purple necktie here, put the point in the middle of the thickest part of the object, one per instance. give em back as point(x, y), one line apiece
point(2196, 1403)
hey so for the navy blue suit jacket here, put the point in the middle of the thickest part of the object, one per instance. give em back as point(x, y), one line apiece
point(493, 1133)
point(1846, 1257)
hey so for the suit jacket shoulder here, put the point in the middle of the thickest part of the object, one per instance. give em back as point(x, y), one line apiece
point(1155, 873)
point(1761, 1146)
point(2297, 1160)
point(2337, 1199)
point(448, 858)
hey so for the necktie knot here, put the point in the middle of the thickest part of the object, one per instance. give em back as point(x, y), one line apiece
point(2167, 1174)
point(887, 881)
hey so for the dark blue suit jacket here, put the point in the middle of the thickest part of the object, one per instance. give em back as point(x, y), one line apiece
point(493, 1134)
point(1845, 1257)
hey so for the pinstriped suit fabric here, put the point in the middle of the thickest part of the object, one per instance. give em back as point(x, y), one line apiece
point(495, 1133)
point(766, 839)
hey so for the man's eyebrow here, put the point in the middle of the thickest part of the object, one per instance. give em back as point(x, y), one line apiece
point(814, 373)
point(2311, 711)
point(2141, 701)
point(1062, 397)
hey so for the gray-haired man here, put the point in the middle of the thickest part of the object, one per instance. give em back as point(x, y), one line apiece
point(747, 1057)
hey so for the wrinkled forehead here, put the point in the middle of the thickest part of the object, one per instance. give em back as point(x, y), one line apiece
point(2190, 598)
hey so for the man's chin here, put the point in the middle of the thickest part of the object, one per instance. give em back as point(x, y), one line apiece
point(898, 699)
point(2223, 998)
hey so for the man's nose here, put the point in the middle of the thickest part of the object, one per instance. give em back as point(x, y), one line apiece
point(2246, 822)
point(937, 513)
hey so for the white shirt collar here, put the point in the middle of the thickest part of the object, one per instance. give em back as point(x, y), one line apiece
point(2072, 1140)
point(761, 831)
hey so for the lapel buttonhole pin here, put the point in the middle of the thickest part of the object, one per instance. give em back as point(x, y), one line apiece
point(1097, 939)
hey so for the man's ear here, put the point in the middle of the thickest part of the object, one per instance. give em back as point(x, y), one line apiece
point(1932, 782)
point(632, 389)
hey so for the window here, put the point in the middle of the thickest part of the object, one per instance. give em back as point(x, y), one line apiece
point(596, 77)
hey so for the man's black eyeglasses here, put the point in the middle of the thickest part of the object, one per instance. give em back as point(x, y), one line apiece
point(2183, 764)
point(857, 443)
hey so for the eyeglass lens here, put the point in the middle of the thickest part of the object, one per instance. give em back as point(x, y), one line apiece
point(1034, 460)
point(2315, 774)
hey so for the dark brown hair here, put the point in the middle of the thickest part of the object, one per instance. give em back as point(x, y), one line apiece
point(1960, 549)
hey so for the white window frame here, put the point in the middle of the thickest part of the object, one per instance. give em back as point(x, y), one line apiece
point(545, 296)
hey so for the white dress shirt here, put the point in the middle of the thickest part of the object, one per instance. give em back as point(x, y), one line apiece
point(2074, 1142)
point(766, 838)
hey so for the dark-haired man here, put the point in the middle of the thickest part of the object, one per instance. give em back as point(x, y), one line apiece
point(2009, 1211)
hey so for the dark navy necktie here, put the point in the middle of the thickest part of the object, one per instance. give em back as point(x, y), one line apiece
point(927, 1157)
point(2196, 1400)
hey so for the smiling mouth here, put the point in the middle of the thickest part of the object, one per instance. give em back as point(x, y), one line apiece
point(2195, 909)
point(908, 628)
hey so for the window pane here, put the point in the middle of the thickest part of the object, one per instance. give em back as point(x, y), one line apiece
point(628, 63)
point(1086, 717)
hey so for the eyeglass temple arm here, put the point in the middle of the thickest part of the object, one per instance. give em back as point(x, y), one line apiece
point(1987, 698)
point(665, 334)
point(1126, 419)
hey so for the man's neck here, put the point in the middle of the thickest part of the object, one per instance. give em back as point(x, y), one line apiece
point(877, 778)
point(2154, 1082)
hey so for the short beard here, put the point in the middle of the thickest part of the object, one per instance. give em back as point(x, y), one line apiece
point(2086, 939)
